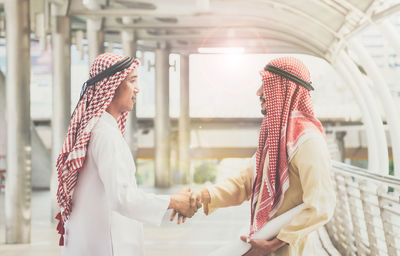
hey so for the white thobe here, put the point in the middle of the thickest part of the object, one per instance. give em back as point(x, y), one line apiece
point(107, 207)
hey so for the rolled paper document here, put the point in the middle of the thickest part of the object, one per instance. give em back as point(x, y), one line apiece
point(267, 232)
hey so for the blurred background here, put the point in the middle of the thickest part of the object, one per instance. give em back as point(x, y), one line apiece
point(199, 72)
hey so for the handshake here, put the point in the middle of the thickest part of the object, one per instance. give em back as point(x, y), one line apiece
point(186, 203)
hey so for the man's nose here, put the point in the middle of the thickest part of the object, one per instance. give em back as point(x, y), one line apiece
point(259, 91)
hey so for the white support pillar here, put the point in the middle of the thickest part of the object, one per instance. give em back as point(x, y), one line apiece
point(373, 163)
point(18, 183)
point(61, 58)
point(391, 34)
point(382, 89)
point(162, 120)
point(3, 125)
point(377, 123)
point(184, 121)
point(95, 37)
point(129, 48)
point(94, 33)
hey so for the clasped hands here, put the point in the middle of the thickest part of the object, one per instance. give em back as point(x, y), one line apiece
point(185, 203)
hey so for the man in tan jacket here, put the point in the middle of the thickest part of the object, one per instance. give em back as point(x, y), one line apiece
point(291, 166)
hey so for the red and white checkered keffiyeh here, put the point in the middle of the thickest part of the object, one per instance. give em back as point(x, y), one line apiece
point(289, 121)
point(73, 154)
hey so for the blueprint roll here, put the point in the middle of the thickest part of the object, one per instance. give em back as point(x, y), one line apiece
point(267, 232)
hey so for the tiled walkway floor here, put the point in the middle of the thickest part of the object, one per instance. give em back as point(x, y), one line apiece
point(197, 236)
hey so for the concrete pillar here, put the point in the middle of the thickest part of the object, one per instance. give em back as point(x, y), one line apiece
point(339, 137)
point(3, 125)
point(129, 48)
point(18, 183)
point(162, 120)
point(184, 121)
point(95, 37)
point(61, 59)
point(383, 92)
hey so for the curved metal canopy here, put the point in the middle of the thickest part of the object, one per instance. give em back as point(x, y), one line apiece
point(315, 27)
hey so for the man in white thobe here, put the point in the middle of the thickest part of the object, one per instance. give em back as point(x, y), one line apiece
point(104, 214)
point(110, 201)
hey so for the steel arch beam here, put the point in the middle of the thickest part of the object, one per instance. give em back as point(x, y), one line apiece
point(392, 113)
point(279, 26)
point(377, 123)
point(373, 163)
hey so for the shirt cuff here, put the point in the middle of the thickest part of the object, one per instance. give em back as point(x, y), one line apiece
point(212, 205)
point(161, 203)
point(289, 238)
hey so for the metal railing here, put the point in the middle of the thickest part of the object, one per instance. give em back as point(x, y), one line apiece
point(367, 214)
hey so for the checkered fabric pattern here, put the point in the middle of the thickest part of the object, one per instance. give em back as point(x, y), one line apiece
point(289, 121)
point(90, 108)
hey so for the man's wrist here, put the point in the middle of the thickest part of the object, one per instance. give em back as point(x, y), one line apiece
point(172, 202)
point(277, 243)
point(205, 196)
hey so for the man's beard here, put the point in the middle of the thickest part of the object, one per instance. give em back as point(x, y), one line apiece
point(264, 112)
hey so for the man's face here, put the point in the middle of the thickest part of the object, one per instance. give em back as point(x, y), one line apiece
point(125, 95)
point(260, 93)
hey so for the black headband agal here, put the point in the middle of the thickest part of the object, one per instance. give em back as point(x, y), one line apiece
point(125, 63)
point(289, 76)
point(110, 71)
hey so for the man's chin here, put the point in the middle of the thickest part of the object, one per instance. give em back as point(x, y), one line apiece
point(263, 111)
point(129, 109)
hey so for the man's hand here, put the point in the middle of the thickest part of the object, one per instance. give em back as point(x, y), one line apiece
point(195, 204)
point(183, 204)
point(201, 197)
point(196, 200)
point(260, 247)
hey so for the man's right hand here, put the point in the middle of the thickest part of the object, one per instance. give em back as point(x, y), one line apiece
point(198, 198)
point(201, 197)
point(181, 203)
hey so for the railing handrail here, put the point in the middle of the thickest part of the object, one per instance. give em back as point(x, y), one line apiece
point(366, 219)
point(359, 172)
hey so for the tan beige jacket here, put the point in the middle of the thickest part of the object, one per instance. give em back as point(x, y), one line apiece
point(309, 182)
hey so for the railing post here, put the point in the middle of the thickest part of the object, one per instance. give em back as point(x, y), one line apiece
point(355, 206)
point(386, 203)
point(373, 220)
point(342, 209)
point(332, 224)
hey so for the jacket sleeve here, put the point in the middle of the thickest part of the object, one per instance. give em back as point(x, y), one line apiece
point(312, 162)
point(121, 190)
point(232, 191)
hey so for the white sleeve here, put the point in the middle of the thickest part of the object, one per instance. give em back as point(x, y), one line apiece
point(121, 190)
